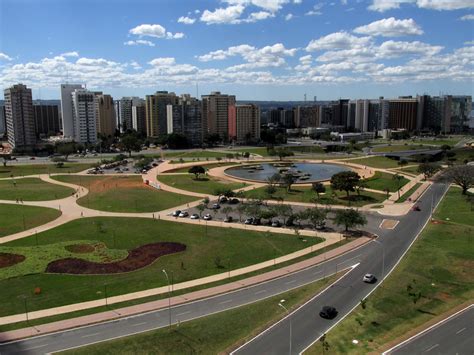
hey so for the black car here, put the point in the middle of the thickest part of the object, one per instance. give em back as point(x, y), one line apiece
point(233, 201)
point(223, 199)
point(228, 219)
point(256, 222)
point(328, 312)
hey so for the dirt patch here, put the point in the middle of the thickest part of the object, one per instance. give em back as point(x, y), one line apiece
point(113, 182)
point(80, 248)
point(7, 259)
point(136, 259)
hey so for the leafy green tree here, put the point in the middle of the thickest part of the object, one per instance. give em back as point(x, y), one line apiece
point(196, 170)
point(318, 188)
point(398, 178)
point(402, 162)
point(226, 210)
point(130, 142)
point(201, 207)
point(461, 175)
point(349, 218)
point(345, 181)
point(288, 180)
point(246, 155)
point(143, 162)
point(360, 186)
point(66, 149)
point(428, 169)
point(283, 153)
point(316, 217)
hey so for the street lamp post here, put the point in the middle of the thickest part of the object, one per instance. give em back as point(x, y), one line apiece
point(289, 316)
point(383, 257)
point(169, 296)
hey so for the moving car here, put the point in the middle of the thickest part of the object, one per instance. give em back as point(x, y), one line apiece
point(328, 312)
point(183, 214)
point(416, 208)
point(369, 278)
point(194, 216)
point(228, 219)
point(276, 224)
point(176, 213)
point(207, 217)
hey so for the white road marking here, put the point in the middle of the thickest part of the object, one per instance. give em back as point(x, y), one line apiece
point(35, 347)
point(261, 291)
point(225, 301)
point(182, 314)
point(432, 347)
point(460, 330)
point(138, 324)
point(89, 335)
point(317, 272)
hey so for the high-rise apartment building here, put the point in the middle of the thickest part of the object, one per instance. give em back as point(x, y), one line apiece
point(3, 125)
point(185, 117)
point(307, 116)
point(19, 116)
point(156, 112)
point(106, 123)
point(84, 114)
point(247, 124)
point(215, 111)
point(47, 119)
point(66, 108)
point(139, 116)
point(124, 111)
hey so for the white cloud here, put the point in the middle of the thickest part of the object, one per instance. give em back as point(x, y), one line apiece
point(268, 5)
point(467, 17)
point(390, 27)
point(343, 2)
point(3, 56)
point(384, 5)
point(156, 31)
point(469, 43)
point(186, 20)
point(390, 49)
point(163, 61)
point(70, 54)
point(297, 2)
point(288, 17)
point(229, 15)
point(134, 64)
point(338, 40)
point(139, 42)
point(445, 4)
point(257, 16)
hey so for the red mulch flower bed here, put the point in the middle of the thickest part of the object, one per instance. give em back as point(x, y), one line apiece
point(136, 259)
point(7, 259)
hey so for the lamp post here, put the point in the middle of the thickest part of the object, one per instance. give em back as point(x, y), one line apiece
point(289, 316)
point(169, 296)
point(383, 256)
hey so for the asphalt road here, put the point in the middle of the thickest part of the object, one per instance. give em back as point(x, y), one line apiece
point(375, 257)
point(454, 335)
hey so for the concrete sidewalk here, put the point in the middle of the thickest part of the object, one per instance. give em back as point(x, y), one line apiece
point(176, 300)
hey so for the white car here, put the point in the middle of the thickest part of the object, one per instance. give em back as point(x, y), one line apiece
point(183, 214)
point(194, 216)
point(207, 217)
point(369, 278)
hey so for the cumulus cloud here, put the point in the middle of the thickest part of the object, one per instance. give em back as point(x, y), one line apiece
point(268, 5)
point(390, 49)
point(288, 17)
point(390, 27)
point(186, 20)
point(469, 17)
point(3, 56)
point(70, 54)
point(163, 61)
point(156, 31)
point(257, 16)
point(337, 40)
point(385, 5)
point(139, 42)
point(229, 15)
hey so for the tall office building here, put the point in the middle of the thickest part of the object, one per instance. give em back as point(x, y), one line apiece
point(47, 119)
point(106, 123)
point(460, 111)
point(185, 117)
point(403, 113)
point(156, 112)
point(84, 114)
point(3, 125)
point(215, 111)
point(139, 116)
point(247, 124)
point(277, 116)
point(19, 116)
point(307, 116)
point(339, 112)
point(124, 112)
point(358, 115)
point(66, 108)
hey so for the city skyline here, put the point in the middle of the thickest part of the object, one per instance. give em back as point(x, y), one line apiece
point(256, 50)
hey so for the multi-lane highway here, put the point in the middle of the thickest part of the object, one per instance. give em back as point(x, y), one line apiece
point(376, 257)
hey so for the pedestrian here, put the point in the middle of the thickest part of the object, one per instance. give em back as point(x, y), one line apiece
point(82, 214)
point(17, 200)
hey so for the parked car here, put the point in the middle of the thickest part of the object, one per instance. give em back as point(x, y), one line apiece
point(223, 199)
point(276, 224)
point(228, 219)
point(234, 201)
point(328, 312)
point(416, 208)
point(194, 216)
point(369, 278)
point(176, 213)
point(183, 214)
point(256, 222)
point(207, 217)
point(216, 206)
point(249, 220)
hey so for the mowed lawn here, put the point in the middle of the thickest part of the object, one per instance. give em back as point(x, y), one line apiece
point(305, 194)
point(205, 184)
point(381, 181)
point(123, 194)
point(194, 154)
point(16, 218)
point(400, 148)
point(375, 162)
point(34, 169)
point(32, 189)
point(209, 251)
point(434, 277)
point(204, 165)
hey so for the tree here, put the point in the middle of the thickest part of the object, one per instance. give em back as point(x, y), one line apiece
point(143, 162)
point(6, 158)
point(66, 149)
point(345, 181)
point(349, 218)
point(212, 139)
point(197, 170)
point(201, 207)
point(461, 175)
point(316, 217)
point(402, 162)
point(130, 142)
point(241, 208)
point(226, 210)
point(428, 169)
point(283, 210)
point(318, 188)
point(399, 179)
point(360, 186)
point(223, 191)
point(246, 155)
point(288, 180)
point(229, 156)
point(282, 153)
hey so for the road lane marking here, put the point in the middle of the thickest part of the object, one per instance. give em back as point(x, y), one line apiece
point(290, 282)
point(89, 335)
point(432, 347)
point(460, 330)
point(182, 314)
point(138, 324)
point(317, 272)
point(261, 291)
point(35, 347)
point(225, 301)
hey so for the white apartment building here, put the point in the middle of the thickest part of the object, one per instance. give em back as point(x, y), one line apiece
point(84, 116)
point(66, 108)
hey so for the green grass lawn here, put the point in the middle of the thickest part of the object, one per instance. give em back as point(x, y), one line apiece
point(438, 267)
point(381, 181)
point(205, 166)
point(407, 194)
point(411, 170)
point(205, 185)
point(259, 151)
point(123, 194)
point(400, 148)
point(16, 218)
point(376, 162)
point(32, 189)
point(33, 169)
point(305, 194)
point(194, 154)
point(233, 247)
point(215, 334)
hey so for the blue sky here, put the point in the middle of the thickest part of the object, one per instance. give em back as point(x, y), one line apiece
point(255, 49)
